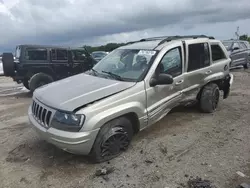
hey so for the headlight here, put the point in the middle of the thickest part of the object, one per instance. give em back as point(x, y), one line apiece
point(67, 121)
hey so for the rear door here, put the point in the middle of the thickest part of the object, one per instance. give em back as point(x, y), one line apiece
point(60, 62)
point(197, 67)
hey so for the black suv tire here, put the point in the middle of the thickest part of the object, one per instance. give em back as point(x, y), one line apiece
point(26, 83)
point(209, 98)
point(113, 138)
point(39, 80)
point(8, 64)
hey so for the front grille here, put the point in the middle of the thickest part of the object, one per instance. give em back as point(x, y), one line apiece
point(41, 113)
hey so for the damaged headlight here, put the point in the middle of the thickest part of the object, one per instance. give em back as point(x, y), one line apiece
point(67, 121)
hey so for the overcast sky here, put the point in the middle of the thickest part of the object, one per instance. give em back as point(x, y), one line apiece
point(94, 22)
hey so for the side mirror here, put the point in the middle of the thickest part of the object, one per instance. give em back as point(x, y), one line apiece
point(161, 79)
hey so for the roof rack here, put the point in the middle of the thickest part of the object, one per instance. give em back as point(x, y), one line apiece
point(170, 38)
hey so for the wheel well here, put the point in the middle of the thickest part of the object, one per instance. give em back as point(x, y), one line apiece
point(49, 72)
point(218, 82)
point(134, 120)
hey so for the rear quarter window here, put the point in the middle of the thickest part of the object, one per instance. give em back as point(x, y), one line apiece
point(217, 52)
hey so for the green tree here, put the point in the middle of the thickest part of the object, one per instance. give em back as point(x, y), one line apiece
point(245, 37)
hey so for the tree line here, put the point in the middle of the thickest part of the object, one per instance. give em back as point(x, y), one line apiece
point(245, 37)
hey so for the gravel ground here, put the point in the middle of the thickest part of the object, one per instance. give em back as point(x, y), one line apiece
point(185, 144)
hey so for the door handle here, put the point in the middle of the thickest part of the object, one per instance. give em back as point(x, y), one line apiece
point(179, 82)
point(208, 72)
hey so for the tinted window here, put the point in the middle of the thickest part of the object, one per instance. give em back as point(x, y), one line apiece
point(198, 56)
point(242, 45)
point(217, 52)
point(171, 62)
point(36, 54)
point(59, 54)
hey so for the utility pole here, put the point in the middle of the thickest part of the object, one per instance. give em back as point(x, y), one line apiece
point(237, 33)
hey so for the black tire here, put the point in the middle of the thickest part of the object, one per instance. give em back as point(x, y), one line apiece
point(245, 66)
point(209, 98)
point(26, 83)
point(113, 138)
point(39, 80)
point(8, 64)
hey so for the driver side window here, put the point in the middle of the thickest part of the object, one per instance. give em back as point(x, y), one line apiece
point(171, 62)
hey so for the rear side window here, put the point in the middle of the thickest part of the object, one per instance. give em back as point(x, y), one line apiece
point(36, 54)
point(217, 52)
point(198, 56)
point(59, 54)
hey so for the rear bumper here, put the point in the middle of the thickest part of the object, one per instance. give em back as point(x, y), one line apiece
point(227, 85)
point(72, 142)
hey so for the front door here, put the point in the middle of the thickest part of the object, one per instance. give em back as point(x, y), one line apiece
point(237, 55)
point(162, 98)
point(81, 61)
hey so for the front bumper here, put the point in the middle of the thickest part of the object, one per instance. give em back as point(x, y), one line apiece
point(72, 142)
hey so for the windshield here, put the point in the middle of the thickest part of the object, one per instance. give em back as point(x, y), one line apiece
point(126, 64)
point(228, 45)
point(18, 52)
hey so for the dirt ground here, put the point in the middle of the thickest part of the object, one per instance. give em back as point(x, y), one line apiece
point(186, 143)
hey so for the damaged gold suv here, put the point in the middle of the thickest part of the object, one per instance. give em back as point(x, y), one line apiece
point(97, 113)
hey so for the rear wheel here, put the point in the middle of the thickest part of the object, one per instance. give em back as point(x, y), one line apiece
point(39, 80)
point(209, 98)
point(113, 138)
point(8, 64)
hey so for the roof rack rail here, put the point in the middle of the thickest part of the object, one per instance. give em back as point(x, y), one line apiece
point(170, 38)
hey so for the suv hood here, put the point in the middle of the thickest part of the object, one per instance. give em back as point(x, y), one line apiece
point(73, 92)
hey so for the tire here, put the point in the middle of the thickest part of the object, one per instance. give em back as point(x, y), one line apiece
point(209, 98)
point(245, 66)
point(8, 64)
point(39, 80)
point(113, 138)
point(26, 83)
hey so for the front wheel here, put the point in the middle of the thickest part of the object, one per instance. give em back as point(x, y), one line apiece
point(39, 80)
point(26, 83)
point(209, 99)
point(113, 138)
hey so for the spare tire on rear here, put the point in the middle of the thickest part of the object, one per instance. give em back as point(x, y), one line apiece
point(8, 64)
point(38, 80)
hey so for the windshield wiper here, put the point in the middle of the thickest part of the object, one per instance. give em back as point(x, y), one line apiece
point(115, 76)
point(95, 71)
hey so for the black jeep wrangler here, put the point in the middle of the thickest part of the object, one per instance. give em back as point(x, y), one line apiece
point(36, 65)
